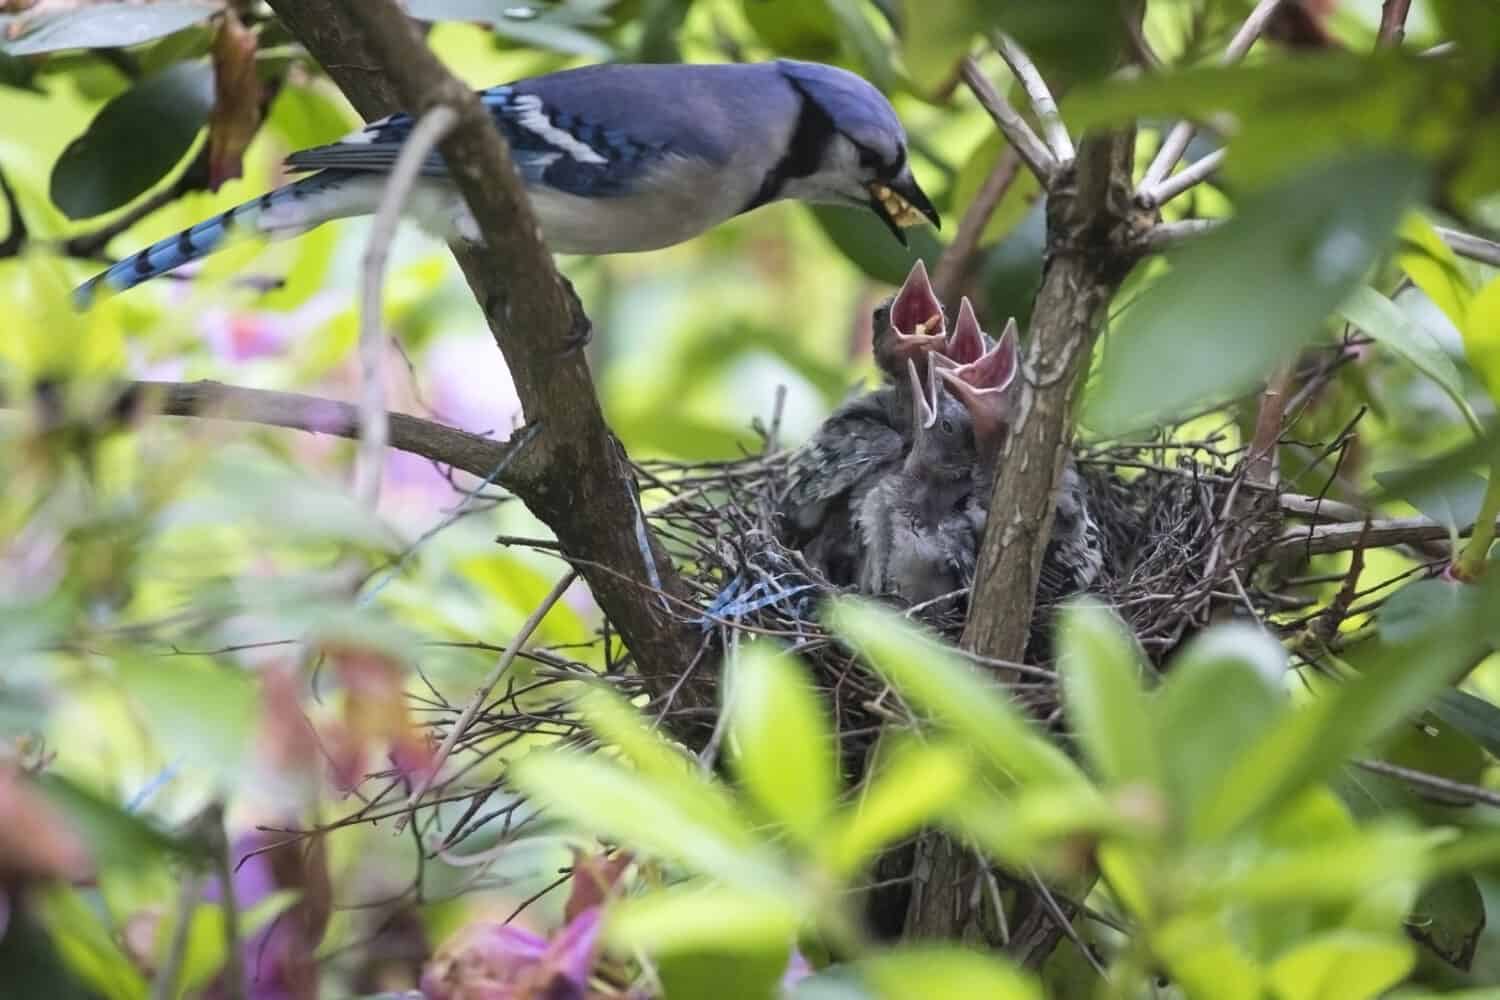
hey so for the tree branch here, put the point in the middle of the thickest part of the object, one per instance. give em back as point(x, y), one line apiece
point(1166, 235)
point(1393, 23)
point(1019, 134)
point(575, 477)
point(1341, 537)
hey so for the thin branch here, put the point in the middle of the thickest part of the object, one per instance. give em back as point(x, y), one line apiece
point(1262, 461)
point(1177, 140)
point(476, 703)
point(1019, 134)
point(1189, 176)
point(1393, 23)
point(170, 973)
point(1343, 536)
point(374, 424)
point(956, 260)
point(1471, 246)
point(1040, 95)
point(1431, 782)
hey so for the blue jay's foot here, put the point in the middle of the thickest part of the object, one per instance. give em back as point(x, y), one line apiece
point(982, 386)
point(911, 326)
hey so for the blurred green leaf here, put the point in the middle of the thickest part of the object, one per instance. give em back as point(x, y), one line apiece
point(86, 945)
point(934, 680)
point(557, 26)
point(30, 962)
point(936, 37)
point(1444, 469)
point(1246, 296)
point(1333, 871)
point(200, 713)
point(1024, 190)
point(109, 165)
point(663, 819)
point(1396, 680)
point(97, 26)
point(868, 244)
point(1453, 501)
point(1100, 670)
point(1434, 268)
point(803, 29)
point(1448, 919)
point(1389, 324)
point(1412, 610)
point(723, 975)
point(1475, 27)
point(1228, 665)
point(1071, 40)
point(307, 116)
point(693, 917)
point(949, 972)
point(916, 783)
point(859, 35)
point(781, 745)
point(1203, 956)
point(615, 722)
point(112, 835)
point(1343, 965)
point(1481, 330)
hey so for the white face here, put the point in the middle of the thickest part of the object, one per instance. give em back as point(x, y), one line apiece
point(840, 178)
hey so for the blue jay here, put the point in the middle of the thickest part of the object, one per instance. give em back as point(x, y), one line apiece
point(615, 159)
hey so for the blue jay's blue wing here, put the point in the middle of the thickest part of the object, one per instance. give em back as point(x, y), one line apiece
point(571, 152)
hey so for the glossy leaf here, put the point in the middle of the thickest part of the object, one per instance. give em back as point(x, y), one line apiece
point(1100, 670)
point(1203, 956)
point(1448, 920)
point(1471, 715)
point(916, 783)
point(114, 837)
point(694, 917)
point(620, 726)
point(936, 38)
point(781, 745)
point(97, 26)
point(1246, 296)
point(1382, 319)
point(935, 681)
point(1453, 501)
point(1433, 266)
point(869, 245)
point(110, 165)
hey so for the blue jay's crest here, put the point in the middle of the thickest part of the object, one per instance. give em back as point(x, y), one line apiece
point(615, 159)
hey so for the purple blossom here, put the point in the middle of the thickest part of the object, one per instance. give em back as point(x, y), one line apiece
point(492, 961)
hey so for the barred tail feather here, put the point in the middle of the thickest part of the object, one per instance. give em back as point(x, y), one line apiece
point(287, 211)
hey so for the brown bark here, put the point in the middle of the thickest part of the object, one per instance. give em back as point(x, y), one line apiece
point(574, 476)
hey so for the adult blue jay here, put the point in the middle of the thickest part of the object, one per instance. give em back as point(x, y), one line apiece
point(615, 159)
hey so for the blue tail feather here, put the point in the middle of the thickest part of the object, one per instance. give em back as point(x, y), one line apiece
point(199, 241)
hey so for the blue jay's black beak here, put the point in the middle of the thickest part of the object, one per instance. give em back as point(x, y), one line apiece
point(902, 203)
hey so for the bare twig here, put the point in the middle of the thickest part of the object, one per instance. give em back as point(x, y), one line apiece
point(1176, 142)
point(373, 421)
point(1341, 537)
point(949, 275)
point(1040, 96)
point(1471, 246)
point(1431, 782)
point(1166, 235)
point(1263, 467)
point(476, 703)
point(1393, 23)
point(1019, 134)
point(1189, 176)
point(167, 977)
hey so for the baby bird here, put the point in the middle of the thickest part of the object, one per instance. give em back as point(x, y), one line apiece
point(918, 543)
point(862, 439)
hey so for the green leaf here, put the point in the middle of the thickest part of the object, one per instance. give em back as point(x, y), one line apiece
point(949, 972)
point(1206, 960)
point(869, 245)
point(1396, 680)
point(1342, 965)
point(676, 822)
point(31, 964)
point(109, 165)
point(860, 36)
point(1248, 295)
point(1389, 324)
point(936, 37)
point(98, 26)
point(1023, 192)
point(1448, 919)
point(917, 782)
point(113, 836)
point(558, 27)
point(954, 693)
point(616, 723)
point(1481, 332)
point(694, 917)
point(1100, 670)
point(804, 29)
point(723, 975)
point(199, 712)
point(1330, 872)
point(1433, 266)
point(781, 745)
point(1453, 501)
point(1227, 665)
point(86, 946)
point(1471, 715)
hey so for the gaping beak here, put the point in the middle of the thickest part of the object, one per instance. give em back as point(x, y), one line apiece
point(902, 203)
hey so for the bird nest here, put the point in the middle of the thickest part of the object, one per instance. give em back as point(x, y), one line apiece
point(1182, 534)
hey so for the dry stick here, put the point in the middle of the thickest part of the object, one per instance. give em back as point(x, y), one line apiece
point(1341, 537)
point(1177, 140)
point(1471, 246)
point(1166, 235)
point(476, 703)
point(1019, 134)
point(1393, 23)
point(374, 425)
point(1189, 176)
point(1262, 467)
point(955, 262)
point(1431, 782)
point(1040, 96)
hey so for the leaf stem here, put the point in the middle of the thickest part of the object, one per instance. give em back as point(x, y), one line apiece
point(1470, 564)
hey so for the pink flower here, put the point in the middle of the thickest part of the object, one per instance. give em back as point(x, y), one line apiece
point(492, 961)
